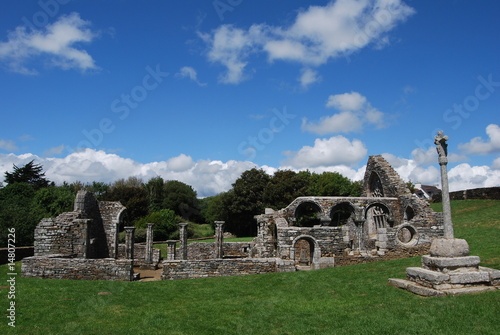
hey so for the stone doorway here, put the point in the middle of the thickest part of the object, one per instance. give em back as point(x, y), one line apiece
point(304, 251)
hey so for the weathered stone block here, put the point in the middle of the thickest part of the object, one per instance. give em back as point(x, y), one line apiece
point(426, 275)
point(440, 263)
point(469, 277)
point(449, 247)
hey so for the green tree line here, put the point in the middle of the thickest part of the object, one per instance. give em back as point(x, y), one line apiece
point(29, 196)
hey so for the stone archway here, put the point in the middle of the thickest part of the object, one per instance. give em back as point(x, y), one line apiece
point(305, 252)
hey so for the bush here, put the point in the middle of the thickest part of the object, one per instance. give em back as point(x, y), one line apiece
point(165, 222)
point(139, 235)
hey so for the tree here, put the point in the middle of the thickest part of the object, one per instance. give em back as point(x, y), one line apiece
point(156, 194)
point(132, 194)
point(245, 201)
point(16, 211)
point(165, 222)
point(330, 184)
point(181, 198)
point(30, 173)
point(284, 187)
point(53, 200)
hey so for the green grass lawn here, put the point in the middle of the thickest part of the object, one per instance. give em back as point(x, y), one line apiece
point(345, 300)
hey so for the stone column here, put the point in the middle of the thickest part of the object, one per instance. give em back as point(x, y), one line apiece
point(149, 243)
point(219, 238)
point(171, 250)
point(441, 147)
point(183, 238)
point(129, 242)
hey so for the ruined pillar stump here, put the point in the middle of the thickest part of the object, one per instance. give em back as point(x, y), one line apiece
point(219, 238)
point(129, 242)
point(183, 237)
point(171, 251)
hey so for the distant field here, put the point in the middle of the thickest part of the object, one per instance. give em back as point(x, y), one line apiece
point(345, 300)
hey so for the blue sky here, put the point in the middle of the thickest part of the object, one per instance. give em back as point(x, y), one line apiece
point(200, 91)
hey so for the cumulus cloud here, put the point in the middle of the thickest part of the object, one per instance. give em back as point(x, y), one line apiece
point(8, 145)
point(308, 77)
point(478, 146)
point(317, 34)
point(430, 156)
point(189, 72)
point(207, 177)
point(336, 150)
point(461, 177)
point(354, 112)
point(57, 42)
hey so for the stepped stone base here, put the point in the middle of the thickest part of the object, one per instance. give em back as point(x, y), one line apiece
point(448, 275)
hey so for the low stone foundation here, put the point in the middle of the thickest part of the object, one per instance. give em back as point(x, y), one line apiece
point(191, 269)
point(59, 267)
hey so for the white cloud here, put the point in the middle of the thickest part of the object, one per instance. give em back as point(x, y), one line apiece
point(8, 145)
point(355, 112)
point(57, 42)
point(308, 77)
point(317, 34)
point(189, 72)
point(464, 176)
point(478, 146)
point(496, 163)
point(430, 156)
point(336, 150)
point(180, 163)
point(205, 176)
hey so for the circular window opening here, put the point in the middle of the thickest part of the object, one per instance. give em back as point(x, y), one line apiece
point(407, 235)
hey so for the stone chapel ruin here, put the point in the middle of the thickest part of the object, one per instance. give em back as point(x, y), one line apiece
point(310, 233)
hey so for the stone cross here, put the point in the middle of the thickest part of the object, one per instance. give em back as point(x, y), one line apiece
point(442, 150)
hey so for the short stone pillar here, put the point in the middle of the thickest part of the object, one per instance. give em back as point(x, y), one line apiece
point(183, 237)
point(219, 238)
point(149, 243)
point(129, 242)
point(171, 251)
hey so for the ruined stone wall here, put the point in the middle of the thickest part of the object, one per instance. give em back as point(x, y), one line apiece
point(54, 267)
point(204, 250)
point(139, 254)
point(63, 235)
point(110, 212)
point(330, 240)
point(391, 183)
point(223, 267)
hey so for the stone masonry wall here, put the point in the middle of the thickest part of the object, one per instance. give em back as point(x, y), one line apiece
point(54, 267)
point(203, 250)
point(139, 254)
point(223, 267)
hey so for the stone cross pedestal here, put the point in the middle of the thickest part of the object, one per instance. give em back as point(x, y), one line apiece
point(448, 269)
